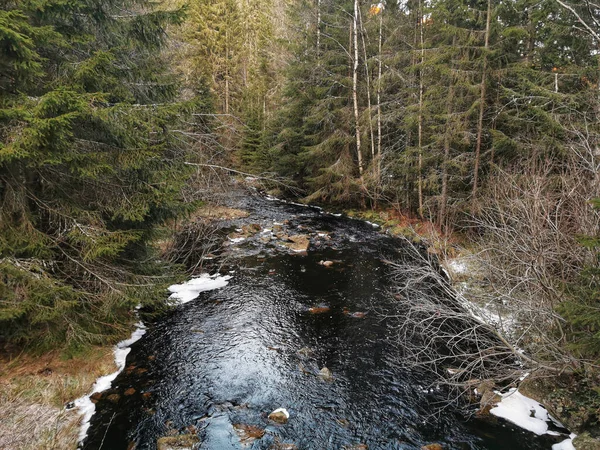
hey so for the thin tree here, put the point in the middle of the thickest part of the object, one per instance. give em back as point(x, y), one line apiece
point(355, 89)
point(481, 106)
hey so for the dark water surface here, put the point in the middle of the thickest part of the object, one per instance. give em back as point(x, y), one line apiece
point(234, 355)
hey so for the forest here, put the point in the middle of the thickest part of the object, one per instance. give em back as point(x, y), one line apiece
point(476, 121)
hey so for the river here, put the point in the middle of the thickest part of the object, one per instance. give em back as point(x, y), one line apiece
point(215, 367)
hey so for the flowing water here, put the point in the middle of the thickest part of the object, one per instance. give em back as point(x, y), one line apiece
point(227, 359)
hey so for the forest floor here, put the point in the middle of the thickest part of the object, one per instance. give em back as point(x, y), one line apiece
point(34, 392)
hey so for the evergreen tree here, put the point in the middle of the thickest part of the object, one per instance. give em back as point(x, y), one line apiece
point(88, 165)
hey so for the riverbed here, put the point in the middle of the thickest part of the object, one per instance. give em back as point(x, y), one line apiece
point(309, 331)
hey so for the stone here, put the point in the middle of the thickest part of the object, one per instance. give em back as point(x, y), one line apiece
point(280, 415)
point(130, 391)
point(356, 447)
point(95, 397)
point(326, 374)
point(432, 447)
point(181, 442)
point(306, 352)
point(354, 315)
point(326, 263)
point(299, 243)
point(319, 309)
point(248, 433)
point(114, 398)
point(489, 398)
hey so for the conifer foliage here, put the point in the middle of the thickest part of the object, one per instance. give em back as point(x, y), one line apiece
point(88, 164)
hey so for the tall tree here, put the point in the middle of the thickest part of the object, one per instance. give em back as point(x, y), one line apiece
point(87, 103)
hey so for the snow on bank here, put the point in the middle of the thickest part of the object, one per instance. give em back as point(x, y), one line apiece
point(529, 415)
point(567, 444)
point(84, 404)
point(522, 411)
point(190, 290)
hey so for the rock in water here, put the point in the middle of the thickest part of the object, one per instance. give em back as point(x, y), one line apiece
point(319, 309)
point(248, 433)
point(326, 263)
point(183, 442)
point(326, 374)
point(300, 243)
point(280, 415)
point(432, 447)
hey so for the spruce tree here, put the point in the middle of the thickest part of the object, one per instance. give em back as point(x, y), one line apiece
point(88, 165)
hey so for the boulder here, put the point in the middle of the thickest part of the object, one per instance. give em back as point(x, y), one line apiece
point(182, 442)
point(280, 415)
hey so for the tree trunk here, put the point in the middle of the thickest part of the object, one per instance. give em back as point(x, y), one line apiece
point(355, 90)
point(379, 98)
point(447, 138)
point(420, 130)
point(319, 31)
point(226, 72)
point(481, 108)
point(368, 79)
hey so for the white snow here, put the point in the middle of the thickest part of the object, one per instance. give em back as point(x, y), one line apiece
point(457, 265)
point(190, 290)
point(523, 412)
point(237, 240)
point(567, 444)
point(84, 404)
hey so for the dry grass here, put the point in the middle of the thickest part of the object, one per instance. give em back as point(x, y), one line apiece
point(33, 395)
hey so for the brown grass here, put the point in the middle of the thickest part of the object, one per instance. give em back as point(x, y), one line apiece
point(34, 392)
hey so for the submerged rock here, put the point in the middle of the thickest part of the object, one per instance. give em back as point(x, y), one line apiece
point(280, 415)
point(248, 433)
point(306, 352)
point(283, 446)
point(182, 442)
point(326, 374)
point(354, 315)
point(326, 263)
point(432, 447)
point(319, 309)
point(298, 243)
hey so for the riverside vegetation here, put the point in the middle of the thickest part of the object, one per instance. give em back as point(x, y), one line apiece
point(477, 119)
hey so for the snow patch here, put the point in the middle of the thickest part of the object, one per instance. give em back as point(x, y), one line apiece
point(523, 412)
point(85, 405)
point(237, 240)
point(190, 290)
point(567, 444)
point(457, 266)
